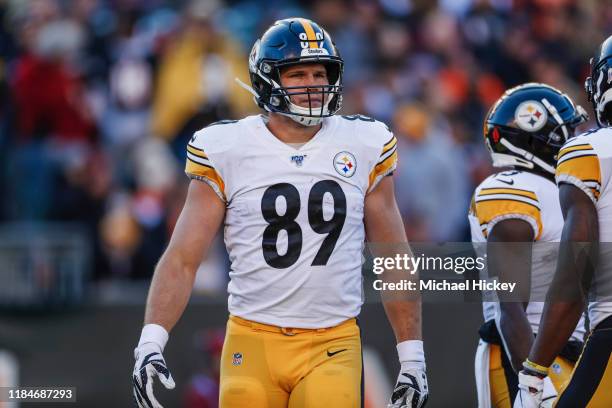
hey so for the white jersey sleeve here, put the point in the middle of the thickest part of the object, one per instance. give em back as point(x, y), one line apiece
point(578, 164)
point(386, 162)
point(502, 196)
point(204, 149)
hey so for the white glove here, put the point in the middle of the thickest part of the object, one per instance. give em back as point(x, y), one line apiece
point(534, 391)
point(411, 390)
point(150, 363)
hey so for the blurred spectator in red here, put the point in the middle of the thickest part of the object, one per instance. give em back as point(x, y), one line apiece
point(48, 94)
point(53, 133)
point(203, 389)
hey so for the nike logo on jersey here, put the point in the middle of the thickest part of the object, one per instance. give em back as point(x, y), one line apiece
point(511, 182)
point(329, 354)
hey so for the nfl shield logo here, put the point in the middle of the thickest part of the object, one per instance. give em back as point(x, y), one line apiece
point(237, 359)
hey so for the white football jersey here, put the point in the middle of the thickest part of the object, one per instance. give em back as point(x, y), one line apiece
point(586, 162)
point(294, 217)
point(521, 195)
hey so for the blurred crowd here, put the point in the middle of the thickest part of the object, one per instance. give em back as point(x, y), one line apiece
point(98, 99)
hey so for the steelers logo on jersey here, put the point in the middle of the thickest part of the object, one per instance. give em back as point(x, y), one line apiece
point(345, 164)
point(530, 116)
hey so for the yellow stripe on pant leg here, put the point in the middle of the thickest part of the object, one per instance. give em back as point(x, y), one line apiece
point(603, 394)
point(500, 395)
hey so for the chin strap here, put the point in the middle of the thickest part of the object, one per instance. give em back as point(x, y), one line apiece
point(527, 156)
point(302, 120)
point(555, 114)
point(247, 88)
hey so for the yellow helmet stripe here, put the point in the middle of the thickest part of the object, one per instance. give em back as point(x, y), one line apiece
point(310, 33)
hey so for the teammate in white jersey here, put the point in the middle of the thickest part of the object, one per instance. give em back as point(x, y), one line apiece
point(584, 268)
point(510, 210)
point(297, 191)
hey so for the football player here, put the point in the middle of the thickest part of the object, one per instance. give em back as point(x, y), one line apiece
point(297, 191)
point(510, 210)
point(584, 268)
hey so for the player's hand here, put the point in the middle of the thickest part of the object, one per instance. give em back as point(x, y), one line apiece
point(411, 389)
point(149, 364)
point(535, 391)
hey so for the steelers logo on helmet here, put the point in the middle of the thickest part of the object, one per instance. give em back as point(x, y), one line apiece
point(530, 116)
point(345, 164)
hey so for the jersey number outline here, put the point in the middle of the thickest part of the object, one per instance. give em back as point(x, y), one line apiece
point(277, 222)
point(362, 118)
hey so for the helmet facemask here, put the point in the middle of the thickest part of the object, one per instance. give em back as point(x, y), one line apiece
point(280, 97)
point(599, 91)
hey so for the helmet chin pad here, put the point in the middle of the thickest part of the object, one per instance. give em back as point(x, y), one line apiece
point(304, 115)
point(303, 120)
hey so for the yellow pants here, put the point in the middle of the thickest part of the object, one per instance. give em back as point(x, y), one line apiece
point(502, 378)
point(265, 366)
